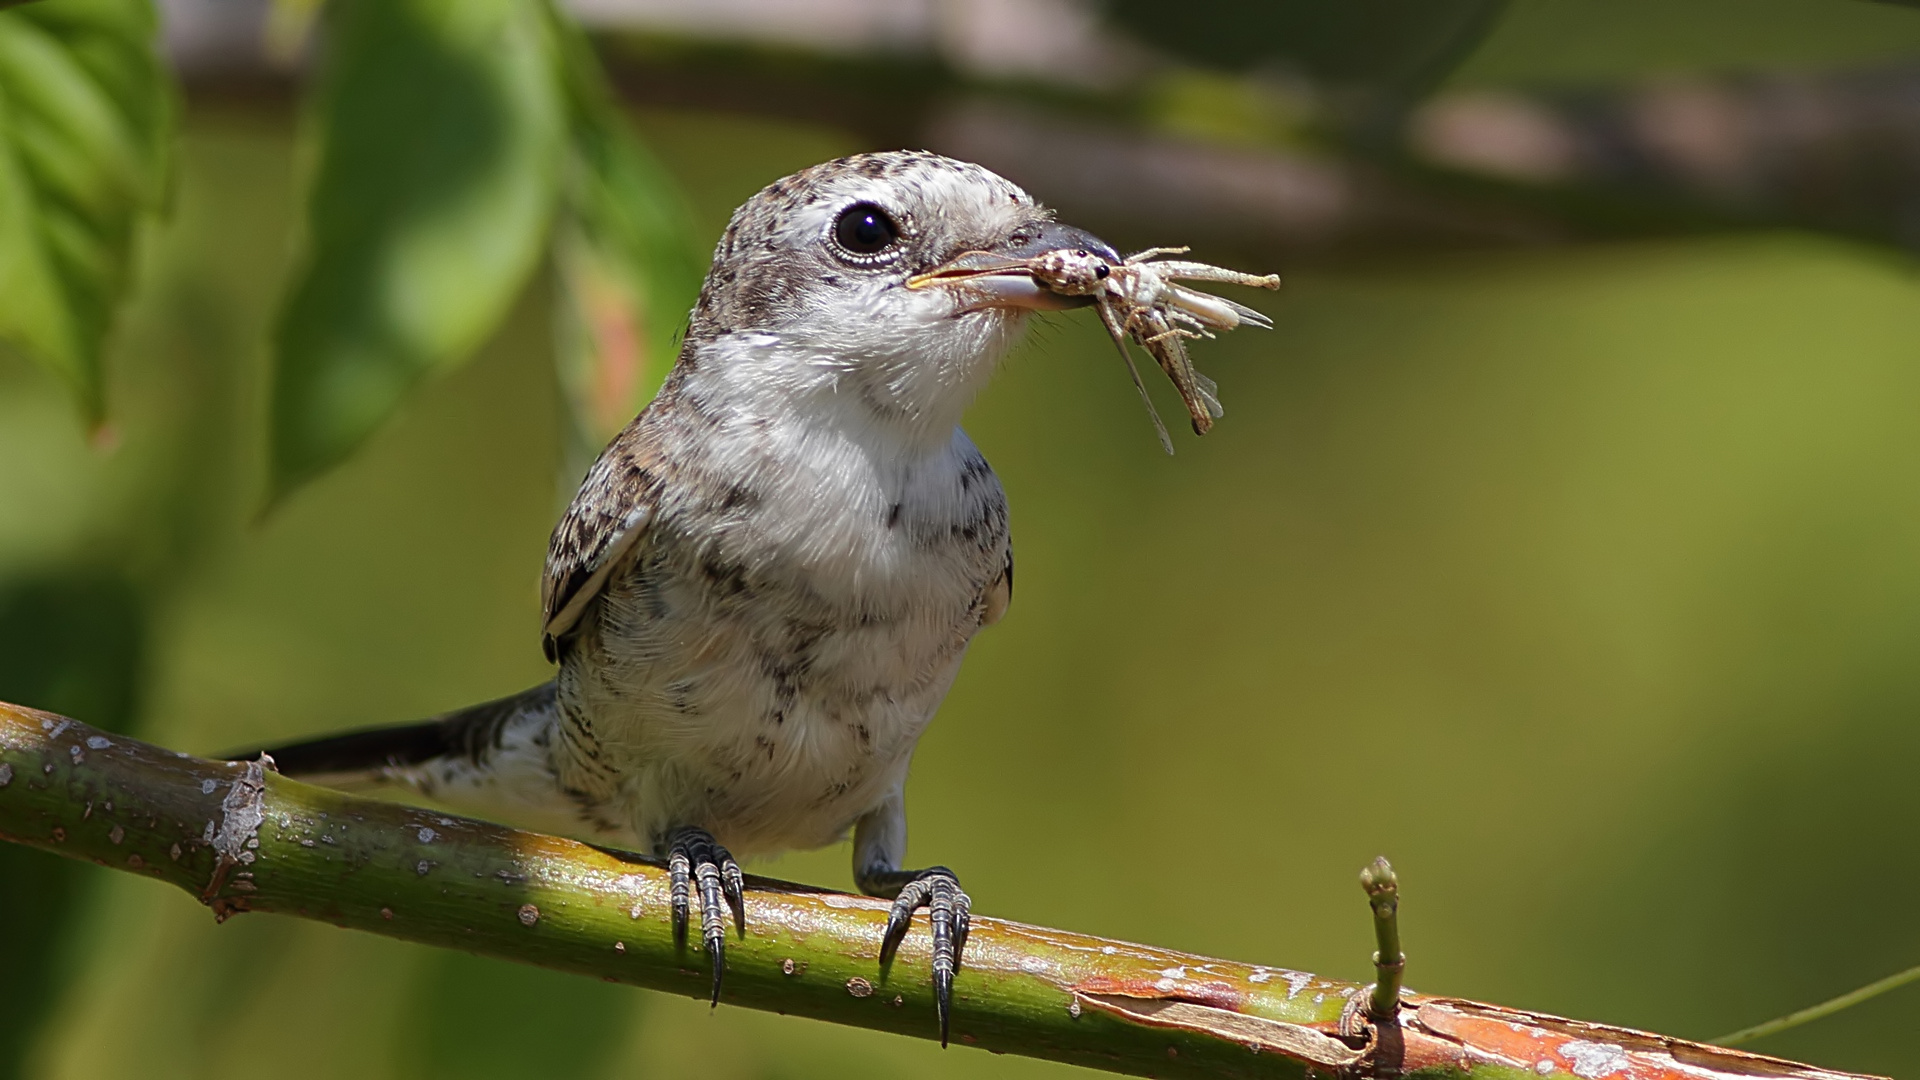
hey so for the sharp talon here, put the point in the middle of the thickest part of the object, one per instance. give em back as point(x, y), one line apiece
point(942, 1002)
point(940, 911)
point(896, 932)
point(695, 859)
point(679, 886)
point(735, 885)
point(962, 924)
point(949, 918)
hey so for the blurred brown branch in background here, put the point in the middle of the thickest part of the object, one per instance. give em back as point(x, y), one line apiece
point(1836, 150)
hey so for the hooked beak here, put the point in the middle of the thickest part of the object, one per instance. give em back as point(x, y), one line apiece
point(1003, 277)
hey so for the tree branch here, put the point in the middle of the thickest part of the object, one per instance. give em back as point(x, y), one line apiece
point(243, 838)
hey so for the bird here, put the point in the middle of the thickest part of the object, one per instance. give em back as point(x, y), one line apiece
point(768, 580)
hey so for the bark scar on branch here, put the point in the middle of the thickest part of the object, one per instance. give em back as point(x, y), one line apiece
point(1521, 1038)
point(241, 813)
point(1257, 1033)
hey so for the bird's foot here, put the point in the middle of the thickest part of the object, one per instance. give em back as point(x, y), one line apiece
point(938, 890)
point(694, 856)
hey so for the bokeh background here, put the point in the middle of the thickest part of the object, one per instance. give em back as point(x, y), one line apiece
point(1562, 542)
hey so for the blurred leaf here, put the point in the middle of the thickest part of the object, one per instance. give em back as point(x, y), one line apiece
point(1405, 45)
point(72, 642)
point(628, 265)
point(436, 134)
point(86, 112)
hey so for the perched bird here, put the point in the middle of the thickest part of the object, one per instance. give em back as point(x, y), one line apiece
point(768, 580)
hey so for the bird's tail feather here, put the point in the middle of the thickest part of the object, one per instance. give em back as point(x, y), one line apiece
point(492, 760)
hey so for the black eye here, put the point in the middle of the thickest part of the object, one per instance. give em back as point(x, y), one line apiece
point(865, 229)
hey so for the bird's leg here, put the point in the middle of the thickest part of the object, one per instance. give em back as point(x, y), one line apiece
point(695, 857)
point(879, 841)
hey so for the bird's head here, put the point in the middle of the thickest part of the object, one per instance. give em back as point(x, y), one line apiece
point(891, 279)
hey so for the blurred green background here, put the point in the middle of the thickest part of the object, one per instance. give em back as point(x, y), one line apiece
point(1581, 580)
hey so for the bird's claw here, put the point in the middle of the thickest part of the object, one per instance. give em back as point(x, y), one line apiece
point(694, 857)
point(938, 890)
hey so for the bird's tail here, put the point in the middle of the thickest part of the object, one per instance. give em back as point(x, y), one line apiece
point(492, 760)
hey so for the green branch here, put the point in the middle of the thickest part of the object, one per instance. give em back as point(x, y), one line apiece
point(242, 838)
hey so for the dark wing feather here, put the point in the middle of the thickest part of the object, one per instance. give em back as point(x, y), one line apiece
point(471, 734)
point(1000, 593)
point(599, 533)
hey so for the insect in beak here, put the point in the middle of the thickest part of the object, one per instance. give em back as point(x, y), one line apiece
point(1054, 267)
point(1003, 277)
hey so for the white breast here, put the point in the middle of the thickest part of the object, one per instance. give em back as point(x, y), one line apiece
point(766, 667)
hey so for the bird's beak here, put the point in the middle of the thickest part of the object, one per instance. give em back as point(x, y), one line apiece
point(1002, 277)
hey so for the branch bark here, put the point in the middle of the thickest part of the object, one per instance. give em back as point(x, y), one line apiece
point(242, 838)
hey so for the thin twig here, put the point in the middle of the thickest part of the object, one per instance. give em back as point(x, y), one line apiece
point(1818, 1012)
point(1383, 893)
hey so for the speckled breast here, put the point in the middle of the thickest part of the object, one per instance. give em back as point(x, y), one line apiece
point(766, 676)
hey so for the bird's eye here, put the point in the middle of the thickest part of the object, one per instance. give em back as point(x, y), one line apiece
point(865, 229)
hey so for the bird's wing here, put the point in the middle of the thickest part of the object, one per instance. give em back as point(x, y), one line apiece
point(599, 534)
point(1000, 593)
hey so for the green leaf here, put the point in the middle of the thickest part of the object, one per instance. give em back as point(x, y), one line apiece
point(437, 130)
point(627, 263)
point(86, 115)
